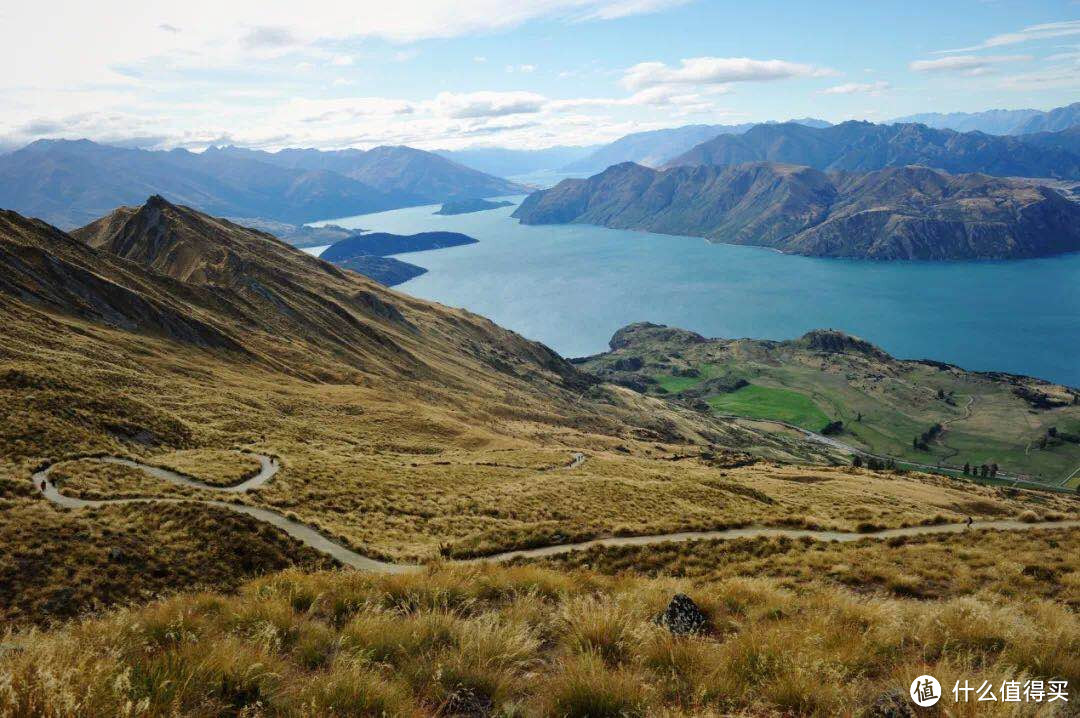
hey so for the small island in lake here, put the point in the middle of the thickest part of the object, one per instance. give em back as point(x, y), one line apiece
point(368, 253)
point(384, 270)
point(383, 244)
point(465, 206)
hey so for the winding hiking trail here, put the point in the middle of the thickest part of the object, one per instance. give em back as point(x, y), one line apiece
point(269, 467)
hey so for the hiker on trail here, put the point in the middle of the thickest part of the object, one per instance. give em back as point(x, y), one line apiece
point(43, 486)
point(969, 522)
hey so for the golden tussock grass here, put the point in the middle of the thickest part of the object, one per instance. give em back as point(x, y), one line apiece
point(525, 641)
point(61, 564)
point(1013, 565)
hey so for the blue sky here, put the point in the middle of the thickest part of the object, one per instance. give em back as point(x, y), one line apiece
point(519, 73)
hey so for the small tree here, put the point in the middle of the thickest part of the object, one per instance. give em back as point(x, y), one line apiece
point(856, 461)
point(993, 470)
point(967, 468)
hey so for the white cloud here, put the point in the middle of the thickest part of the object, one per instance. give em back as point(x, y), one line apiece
point(1066, 28)
point(269, 37)
point(68, 42)
point(857, 88)
point(623, 8)
point(488, 104)
point(1056, 77)
point(965, 64)
point(716, 70)
point(341, 60)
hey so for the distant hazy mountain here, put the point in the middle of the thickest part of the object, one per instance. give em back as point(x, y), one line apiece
point(992, 122)
point(1061, 118)
point(506, 162)
point(999, 122)
point(69, 183)
point(655, 147)
point(403, 170)
point(863, 146)
point(895, 213)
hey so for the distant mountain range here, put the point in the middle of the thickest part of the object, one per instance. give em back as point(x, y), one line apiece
point(864, 146)
point(71, 182)
point(655, 147)
point(399, 170)
point(1000, 122)
point(507, 162)
point(894, 213)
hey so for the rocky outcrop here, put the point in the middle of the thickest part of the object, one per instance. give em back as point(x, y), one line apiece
point(832, 341)
point(683, 617)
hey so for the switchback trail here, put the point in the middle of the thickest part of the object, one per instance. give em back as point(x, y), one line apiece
point(312, 538)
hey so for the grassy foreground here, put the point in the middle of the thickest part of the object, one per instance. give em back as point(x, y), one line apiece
point(526, 641)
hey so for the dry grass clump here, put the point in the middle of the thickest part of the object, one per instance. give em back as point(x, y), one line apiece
point(57, 564)
point(217, 467)
point(523, 641)
point(1043, 563)
point(91, 479)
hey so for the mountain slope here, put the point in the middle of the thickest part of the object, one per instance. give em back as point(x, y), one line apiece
point(896, 213)
point(271, 289)
point(863, 146)
point(423, 176)
point(70, 183)
point(49, 268)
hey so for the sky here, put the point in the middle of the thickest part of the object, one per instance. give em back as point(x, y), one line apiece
point(513, 73)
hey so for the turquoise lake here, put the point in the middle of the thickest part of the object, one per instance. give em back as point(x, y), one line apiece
point(572, 286)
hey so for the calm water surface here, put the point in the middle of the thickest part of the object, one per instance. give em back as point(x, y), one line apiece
point(572, 286)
